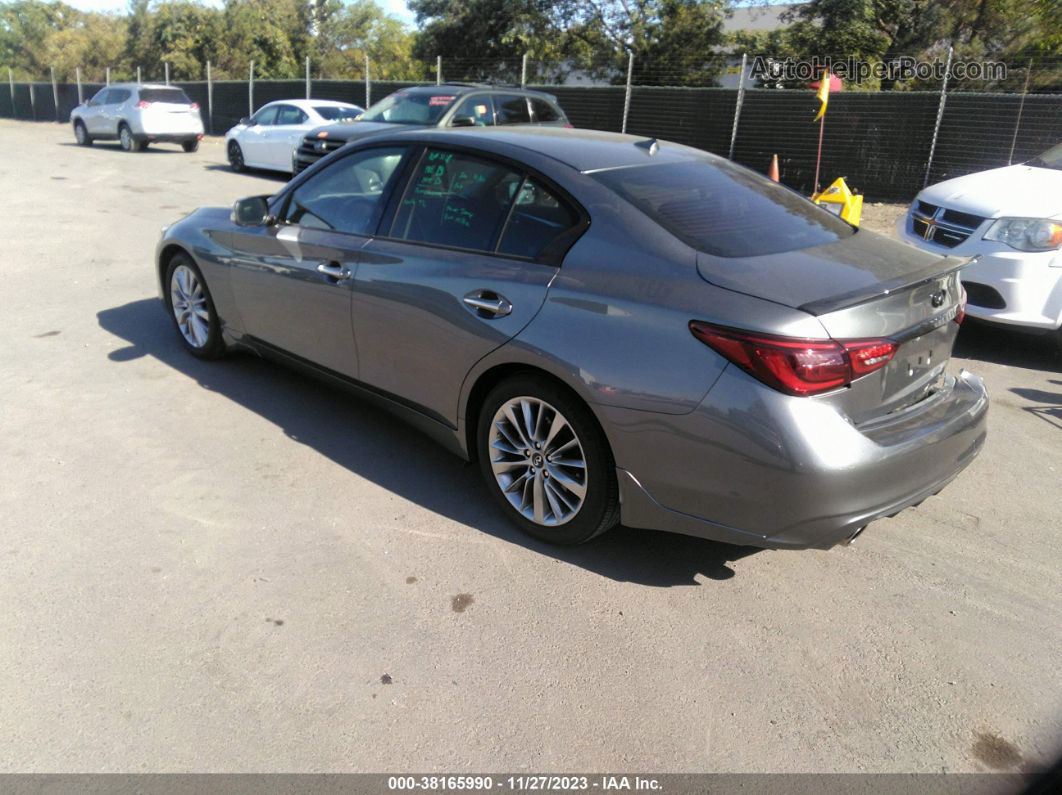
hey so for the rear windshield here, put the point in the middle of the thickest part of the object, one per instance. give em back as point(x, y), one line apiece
point(172, 95)
point(332, 113)
point(404, 107)
point(722, 209)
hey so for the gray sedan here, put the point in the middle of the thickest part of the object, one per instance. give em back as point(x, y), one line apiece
point(616, 329)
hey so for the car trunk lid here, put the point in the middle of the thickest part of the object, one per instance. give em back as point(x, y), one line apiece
point(864, 287)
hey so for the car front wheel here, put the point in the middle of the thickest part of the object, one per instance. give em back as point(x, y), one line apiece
point(81, 134)
point(236, 157)
point(192, 308)
point(546, 461)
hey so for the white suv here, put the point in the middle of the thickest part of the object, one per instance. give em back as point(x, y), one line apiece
point(138, 115)
point(1010, 221)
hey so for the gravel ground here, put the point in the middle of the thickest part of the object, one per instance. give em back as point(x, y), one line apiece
point(227, 567)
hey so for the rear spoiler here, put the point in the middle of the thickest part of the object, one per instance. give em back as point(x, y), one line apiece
point(936, 269)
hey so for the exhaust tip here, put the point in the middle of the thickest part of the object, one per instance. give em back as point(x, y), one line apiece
point(849, 541)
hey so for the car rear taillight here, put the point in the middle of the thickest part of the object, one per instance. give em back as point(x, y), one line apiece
point(569, 125)
point(960, 313)
point(143, 104)
point(796, 366)
point(194, 106)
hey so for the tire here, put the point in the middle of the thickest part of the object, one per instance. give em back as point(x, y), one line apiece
point(126, 139)
point(236, 161)
point(190, 146)
point(188, 299)
point(534, 502)
point(81, 134)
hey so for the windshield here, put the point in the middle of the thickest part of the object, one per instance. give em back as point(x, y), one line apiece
point(333, 113)
point(1052, 158)
point(172, 95)
point(405, 107)
point(723, 209)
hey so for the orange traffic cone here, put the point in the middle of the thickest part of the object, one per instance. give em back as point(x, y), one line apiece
point(772, 172)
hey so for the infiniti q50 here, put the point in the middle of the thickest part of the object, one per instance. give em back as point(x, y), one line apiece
point(616, 329)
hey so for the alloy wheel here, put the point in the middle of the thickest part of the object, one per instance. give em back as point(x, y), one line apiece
point(538, 461)
point(235, 156)
point(79, 133)
point(190, 309)
point(127, 139)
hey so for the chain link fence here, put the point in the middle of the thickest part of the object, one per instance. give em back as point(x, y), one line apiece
point(888, 144)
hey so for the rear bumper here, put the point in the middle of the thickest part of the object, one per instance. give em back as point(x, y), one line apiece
point(751, 466)
point(170, 138)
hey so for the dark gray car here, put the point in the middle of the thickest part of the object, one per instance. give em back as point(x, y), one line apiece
point(616, 329)
point(446, 105)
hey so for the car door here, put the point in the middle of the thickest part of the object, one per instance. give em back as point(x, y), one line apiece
point(254, 139)
point(448, 282)
point(292, 281)
point(111, 112)
point(91, 115)
point(283, 135)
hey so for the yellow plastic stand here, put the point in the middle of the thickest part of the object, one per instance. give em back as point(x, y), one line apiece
point(839, 200)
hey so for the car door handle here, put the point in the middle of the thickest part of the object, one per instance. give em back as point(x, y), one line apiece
point(488, 303)
point(333, 270)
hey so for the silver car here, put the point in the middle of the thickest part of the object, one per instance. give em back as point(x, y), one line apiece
point(139, 114)
point(617, 329)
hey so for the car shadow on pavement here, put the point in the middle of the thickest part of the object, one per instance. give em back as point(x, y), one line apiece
point(374, 445)
point(279, 176)
point(986, 343)
point(1050, 408)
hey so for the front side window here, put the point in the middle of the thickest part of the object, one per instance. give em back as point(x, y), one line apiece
point(289, 114)
point(480, 109)
point(347, 196)
point(720, 208)
point(537, 219)
point(544, 112)
point(118, 95)
point(456, 200)
point(101, 97)
point(266, 116)
point(512, 109)
point(409, 107)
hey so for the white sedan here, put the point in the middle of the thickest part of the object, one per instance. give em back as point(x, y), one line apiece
point(1010, 221)
point(267, 139)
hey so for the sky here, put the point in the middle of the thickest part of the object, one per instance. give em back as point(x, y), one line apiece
point(396, 8)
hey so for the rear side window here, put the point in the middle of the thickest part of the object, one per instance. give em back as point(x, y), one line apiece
point(537, 219)
point(544, 111)
point(333, 113)
point(289, 114)
point(171, 95)
point(512, 109)
point(456, 200)
point(722, 209)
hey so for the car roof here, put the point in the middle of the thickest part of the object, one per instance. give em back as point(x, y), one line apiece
point(311, 103)
point(142, 85)
point(582, 150)
point(460, 89)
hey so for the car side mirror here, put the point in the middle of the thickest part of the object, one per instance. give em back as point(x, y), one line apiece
point(252, 211)
point(246, 121)
point(463, 121)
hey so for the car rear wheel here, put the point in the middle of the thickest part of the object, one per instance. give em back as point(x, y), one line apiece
point(128, 142)
point(236, 157)
point(192, 308)
point(81, 134)
point(546, 461)
point(190, 146)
